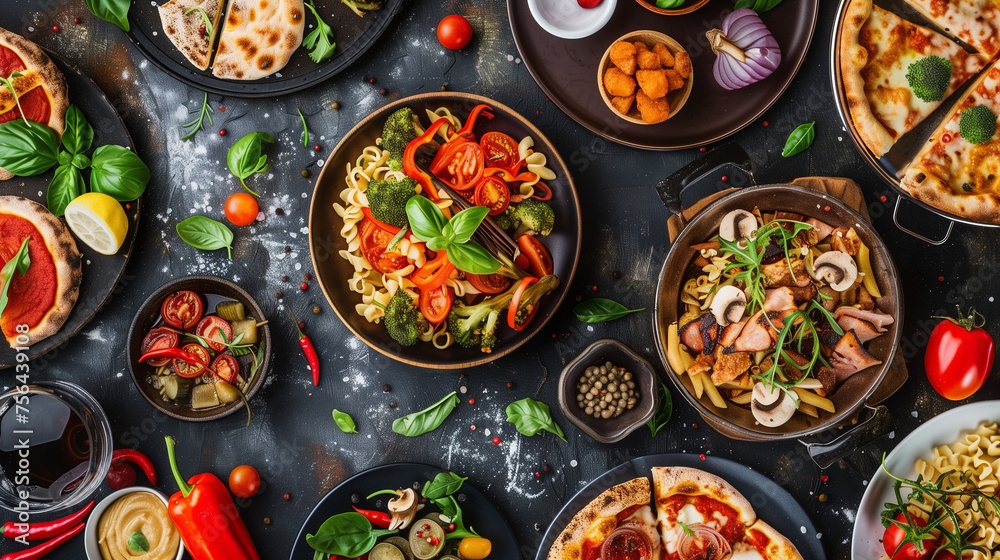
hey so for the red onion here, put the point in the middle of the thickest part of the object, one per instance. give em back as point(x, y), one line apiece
point(745, 49)
point(703, 542)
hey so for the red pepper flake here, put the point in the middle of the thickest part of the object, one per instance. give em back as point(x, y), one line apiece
point(702, 149)
point(221, 108)
point(765, 123)
point(451, 527)
point(304, 286)
point(546, 98)
point(55, 29)
point(946, 138)
point(594, 288)
point(824, 477)
point(538, 474)
point(725, 178)
point(222, 132)
point(496, 441)
point(694, 425)
point(472, 427)
point(317, 148)
point(76, 20)
point(702, 456)
point(472, 401)
point(940, 278)
point(302, 325)
point(554, 335)
point(826, 208)
point(883, 198)
point(286, 496)
point(128, 206)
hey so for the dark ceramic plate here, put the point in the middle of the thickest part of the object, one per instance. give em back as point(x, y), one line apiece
point(100, 272)
point(333, 272)
point(216, 289)
point(354, 35)
point(566, 70)
point(772, 503)
point(479, 511)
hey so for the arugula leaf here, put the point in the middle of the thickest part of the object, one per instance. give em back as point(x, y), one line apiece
point(427, 420)
point(19, 262)
point(66, 184)
point(344, 422)
point(245, 157)
point(601, 310)
point(531, 417)
point(114, 11)
point(206, 234)
point(77, 135)
point(319, 41)
point(119, 173)
point(27, 150)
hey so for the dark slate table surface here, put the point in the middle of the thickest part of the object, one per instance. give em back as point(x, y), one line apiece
point(293, 440)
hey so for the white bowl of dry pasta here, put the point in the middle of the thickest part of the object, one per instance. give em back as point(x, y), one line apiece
point(423, 276)
point(956, 457)
point(778, 311)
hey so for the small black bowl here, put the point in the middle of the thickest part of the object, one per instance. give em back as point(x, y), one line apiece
point(646, 380)
point(149, 314)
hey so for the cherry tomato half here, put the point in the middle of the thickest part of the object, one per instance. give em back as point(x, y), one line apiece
point(374, 240)
point(182, 309)
point(894, 535)
point(539, 259)
point(501, 151)
point(460, 164)
point(241, 209)
point(488, 284)
point(226, 368)
point(155, 339)
point(209, 328)
point(492, 193)
point(188, 370)
point(244, 481)
point(454, 32)
point(959, 357)
point(436, 303)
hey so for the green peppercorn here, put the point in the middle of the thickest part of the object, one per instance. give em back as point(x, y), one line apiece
point(279, 294)
point(316, 310)
point(306, 174)
point(335, 105)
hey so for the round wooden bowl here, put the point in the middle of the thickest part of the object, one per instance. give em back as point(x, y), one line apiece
point(676, 98)
point(651, 6)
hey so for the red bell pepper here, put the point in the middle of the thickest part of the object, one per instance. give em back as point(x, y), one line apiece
point(466, 131)
point(207, 518)
point(388, 228)
point(410, 165)
point(434, 273)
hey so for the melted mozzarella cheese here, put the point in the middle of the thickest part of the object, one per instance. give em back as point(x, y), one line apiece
point(688, 515)
point(751, 554)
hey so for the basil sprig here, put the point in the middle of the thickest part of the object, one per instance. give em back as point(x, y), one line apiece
point(662, 416)
point(245, 157)
point(19, 262)
point(759, 6)
point(601, 310)
point(115, 11)
point(344, 422)
point(206, 234)
point(531, 417)
point(444, 484)
point(800, 139)
point(454, 236)
point(346, 534)
point(427, 420)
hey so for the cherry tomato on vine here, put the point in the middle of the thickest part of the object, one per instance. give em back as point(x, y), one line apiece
point(894, 536)
point(241, 209)
point(454, 32)
point(959, 355)
point(244, 481)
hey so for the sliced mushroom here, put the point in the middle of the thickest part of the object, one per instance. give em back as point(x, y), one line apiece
point(837, 268)
point(771, 406)
point(403, 508)
point(728, 305)
point(737, 224)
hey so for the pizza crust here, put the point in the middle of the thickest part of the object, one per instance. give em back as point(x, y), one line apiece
point(669, 481)
point(853, 59)
point(258, 38)
point(184, 31)
point(778, 547)
point(599, 518)
point(67, 261)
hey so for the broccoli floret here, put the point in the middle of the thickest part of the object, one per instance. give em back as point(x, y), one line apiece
point(533, 217)
point(929, 77)
point(397, 133)
point(977, 124)
point(532, 294)
point(403, 318)
point(361, 7)
point(505, 220)
point(387, 200)
point(476, 325)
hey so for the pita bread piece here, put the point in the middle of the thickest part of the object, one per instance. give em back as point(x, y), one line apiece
point(188, 32)
point(258, 38)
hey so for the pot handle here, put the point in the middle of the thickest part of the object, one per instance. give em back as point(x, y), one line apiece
point(873, 423)
point(895, 219)
point(705, 173)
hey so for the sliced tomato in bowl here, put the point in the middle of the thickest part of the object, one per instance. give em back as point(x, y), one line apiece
point(539, 259)
point(374, 241)
point(435, 303)
point(501, 151)
point(156, 339)
point(183, 309)
point(459, 164)
point(488, 284)
point(188, 370)
point(493, 193)
point(226, 368)
point(216, 331)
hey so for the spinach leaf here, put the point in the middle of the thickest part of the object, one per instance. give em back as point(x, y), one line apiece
point(800, 139)
point(319, 41)
point(426, 219)
point(66, 184)
point(77, 135)
point(530, 417)
point(118, 173)
point(245, 157)
point(344, 422)
point(444, 484)
point(601, 310)
point(206, 234)
point(27, 149)
point(426, 420)
point(759, 6)
point(662, 416)
point(115, 11)
point(346, 534)
point(19, 262)
point(470, 257)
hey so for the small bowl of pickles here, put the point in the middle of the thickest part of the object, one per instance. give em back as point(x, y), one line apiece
point(199, 348)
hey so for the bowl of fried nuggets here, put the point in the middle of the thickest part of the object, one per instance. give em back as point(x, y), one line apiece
point(645, 77)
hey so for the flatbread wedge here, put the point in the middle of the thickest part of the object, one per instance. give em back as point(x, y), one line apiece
point(188, 32)
point(592, 525)
point(258, 38)
point(974, 22)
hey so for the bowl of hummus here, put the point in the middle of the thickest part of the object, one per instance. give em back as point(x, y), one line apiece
point(133, 524)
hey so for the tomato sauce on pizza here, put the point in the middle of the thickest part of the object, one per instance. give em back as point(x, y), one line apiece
point(723, 518)
point(30, 296)
point(34, 103)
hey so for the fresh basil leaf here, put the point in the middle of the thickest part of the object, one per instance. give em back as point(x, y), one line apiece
point(668, 4)
point(27, 149)
point(67, 184)
point(319, 41)
point(115, 11)
point(427, 420)
point(245, 157)
point(119, 173)
point(426, 219)
point(77, 134)
point(444, 484)
point(470, 257)
point(19, 262)
point(137, 542)
point(64, 158)
point(81, 161)
point(601, 310)
point(466, 222)
point(344, 422)
point(800, 139)
point(206, 234)
point(662, 416)
point(759, 6)
point(530, 417)
point(346, 534)
point(438, 243)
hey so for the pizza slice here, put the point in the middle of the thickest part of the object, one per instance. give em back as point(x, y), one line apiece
point(975, 22)
point(258, 38)
point(767, 543)
point(40, 88)
point(184, 24)
point(896, 73)
point(958, 169)
point(618, 523)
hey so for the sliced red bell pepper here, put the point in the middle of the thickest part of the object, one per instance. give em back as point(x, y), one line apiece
point(466, 130)
point(434, 273)
point(546, 191)
point(410, 166)
point(391, 229)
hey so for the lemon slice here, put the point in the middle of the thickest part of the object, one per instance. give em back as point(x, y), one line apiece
point(98, 220)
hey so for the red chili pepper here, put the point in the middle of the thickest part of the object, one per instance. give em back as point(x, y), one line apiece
point(138, 459)
point(173, 353)
point(379, 519)
point(47, 529)
point(308, 350)
point(410, 166)
point(46, 547)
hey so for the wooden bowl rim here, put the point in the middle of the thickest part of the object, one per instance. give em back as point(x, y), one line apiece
point(644, 35)
point(678, 12)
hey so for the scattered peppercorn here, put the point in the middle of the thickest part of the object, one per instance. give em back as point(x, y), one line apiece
point(304, 286)
point(546, 468)
point(355, 499)
point(826, 208)
point(392, 404)
point(279, 211)
point(306, 174)
point(444, 87)
point(702, 149)
point(578, 297)
point(372, 80)
point(335, 105)
point(386, 388)
point(823, 498)
point(76, 20)
point(765, 123)
point(725, 178)
point(538, 474)
point(284, 279)
point(472, 401)
point(702, 456)
point(383, 91)
point(472, 427)
point(510, 385)
point(279, 294)
point(222, 108)
point(302, 325)
point(222, 132)
point(451, 527)
point(55, 29)
point(317, 310)
point(286, 496)
point(496, 441)
point(307, 276)
point(616, 275)
point(317, 148)
point(288, 248)
point(267, 521)
point(594, 288)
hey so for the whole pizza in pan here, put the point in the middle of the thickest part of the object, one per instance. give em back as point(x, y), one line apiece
point(974, 22)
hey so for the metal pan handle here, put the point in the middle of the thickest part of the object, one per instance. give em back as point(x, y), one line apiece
point(895, 219)
point(699, 172)
point(874, 423)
